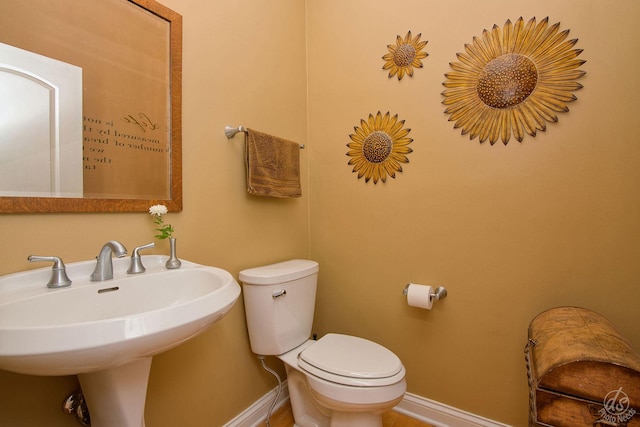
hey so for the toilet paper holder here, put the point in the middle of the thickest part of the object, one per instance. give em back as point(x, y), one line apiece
point(438, 293)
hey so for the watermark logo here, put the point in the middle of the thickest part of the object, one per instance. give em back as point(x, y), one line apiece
point(616, 408)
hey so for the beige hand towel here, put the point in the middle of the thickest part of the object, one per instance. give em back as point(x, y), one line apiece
point(273, 166)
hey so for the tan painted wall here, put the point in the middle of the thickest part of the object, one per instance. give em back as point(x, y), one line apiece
point(244, 63)
point(510, 231)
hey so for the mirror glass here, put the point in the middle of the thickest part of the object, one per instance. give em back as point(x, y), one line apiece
point(90, 106)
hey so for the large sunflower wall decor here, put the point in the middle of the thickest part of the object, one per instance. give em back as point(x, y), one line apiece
point(378, 147)
point(512, 81)
point(404, 56)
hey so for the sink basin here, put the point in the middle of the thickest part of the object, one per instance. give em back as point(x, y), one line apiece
point(91, 326)
point(107, 332)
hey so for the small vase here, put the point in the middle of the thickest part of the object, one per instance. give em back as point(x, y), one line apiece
point(173, 261)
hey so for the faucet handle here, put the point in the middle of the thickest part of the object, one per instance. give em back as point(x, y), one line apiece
point(59, 278)
point(136, 260)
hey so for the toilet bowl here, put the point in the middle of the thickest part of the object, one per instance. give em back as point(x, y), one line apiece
point(350, 380)
point(336, 381)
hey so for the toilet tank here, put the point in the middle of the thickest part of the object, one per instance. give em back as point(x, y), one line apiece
point(279, 301)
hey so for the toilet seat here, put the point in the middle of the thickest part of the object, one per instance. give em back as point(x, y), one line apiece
point(351, 361)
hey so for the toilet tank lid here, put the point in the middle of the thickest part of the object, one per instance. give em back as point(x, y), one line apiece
point(279, 272)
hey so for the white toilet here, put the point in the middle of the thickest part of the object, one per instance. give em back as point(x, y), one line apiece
point(338, 380)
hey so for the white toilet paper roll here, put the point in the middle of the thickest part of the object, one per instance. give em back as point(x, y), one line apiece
point(420, 296)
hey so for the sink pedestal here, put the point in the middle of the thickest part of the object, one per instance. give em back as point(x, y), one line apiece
point(116, 396)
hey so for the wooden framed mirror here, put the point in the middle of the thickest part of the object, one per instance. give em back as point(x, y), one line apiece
point(127, 55)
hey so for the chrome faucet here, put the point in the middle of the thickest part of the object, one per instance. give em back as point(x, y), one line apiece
point(104, 267)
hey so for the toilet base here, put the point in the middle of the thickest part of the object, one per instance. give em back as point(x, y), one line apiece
point(311, 409)
point(352, 419)
point(352, 422)
point(365, 415)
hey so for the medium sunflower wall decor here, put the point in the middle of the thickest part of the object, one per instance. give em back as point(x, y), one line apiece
point(512, 81)
point(404, 56)
point(378, 147)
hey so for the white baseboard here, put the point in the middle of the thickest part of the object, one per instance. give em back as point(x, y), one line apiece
point(257, 413)
point(441, 415)
point(420, 408)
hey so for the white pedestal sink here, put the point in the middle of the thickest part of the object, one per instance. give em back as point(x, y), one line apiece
point(107, 332)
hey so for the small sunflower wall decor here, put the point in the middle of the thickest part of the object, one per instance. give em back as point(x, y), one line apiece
point(378, 147)
point(404, 56)
point(512, 81)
